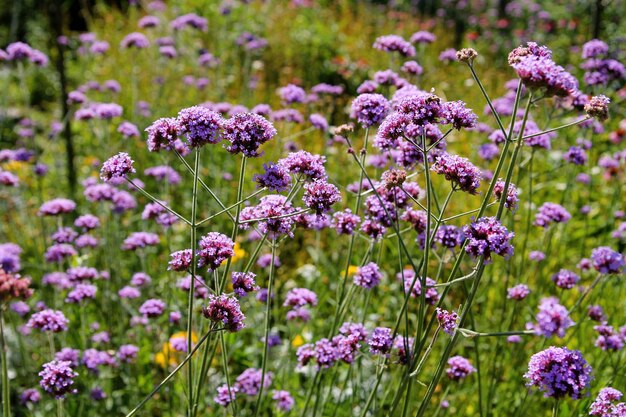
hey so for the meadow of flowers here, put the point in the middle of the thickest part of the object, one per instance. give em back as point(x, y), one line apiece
point(263, 208)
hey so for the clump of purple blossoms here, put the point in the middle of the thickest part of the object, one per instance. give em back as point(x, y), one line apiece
point(276, 177)
point(559, 372)
point(595, 48)
point(345, 222)
point(487, 236)
point(249, 382)
point(284, 400)
point(369, 109)
point(135, 39)
point(458, 115)
point(368, 276)
point(226, 310)
point(162, 134)
point(575, 155)
point(608, 339)
point(180, 260)
point(246, 132)
point(200, 125)
point(551, 213)
point(80, 293)
point(320, 196)
point(152, 308)
point(459, 368)
point(394, 43)
point(518, 292)
point(447, 320)
point(298, 299)
point(57, 378)
point(534, 65)
point(292, 94)
point(243, 283)
point(565, 279)
point(57, 206)
point(224, 397)
point(449, 236)
point(30, 395)
point(607, 261)
point(606, 404)
point(305, 163)
point(138, 240)
point(596, 313)
point(380, 341)
point(48, 321)
point(127, 353)
point(215, 248)
point(460, 171)
point(552, 318)
point(512, 200)
point(408, 275)
point(273, 216)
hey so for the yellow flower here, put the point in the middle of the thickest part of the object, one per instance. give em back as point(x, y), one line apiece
point(351, 270)
point(168, 352)
point(14, 165)
point(240, 253)
point(297, 341)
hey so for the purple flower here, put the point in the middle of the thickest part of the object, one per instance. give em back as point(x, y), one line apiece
point(226, 310)
point(243, 283)
point(225, 396)
point(575, 155)
point(420, 108)
point(70, 355)
point(30, 395)
point(87, 222)
point(249, 382)
point(48, 321)
point(215, 248)
point(606, 404)
point(512, 199)
point(300, 297)
point(394, 43)
point(57, 378)
point(552, 318)
point(455, 113)
point(408, 275)
point(292, 94)
point(551, 213)
point(368, 276)
point(284, 400)
point(459, 368)
point(200, 125)
point(559, 372)
point(460, 171)
point(118, 166)
point(369, 109)
point(57, 206)
point(272, 214)
point(80, 293)
point(59, 252)
point(129, 292)
point(412, 67)
point(449, 236)
point(180, 260)
point(594, 48)
point(380, 341)
point(448, 55)
point(191, 20)
point(152, 308)
point(607, 261)
point(276, 177)
point(487, 236)
point(93, 358)
point(319, 122)
point(423, 36)
point(138, 240)
point(518, 292)
point(162, 134)
point(565, 279)
point(536, 256)
point(320, 196)
point(447, 320)
point(345, 222)
point(608, 338)
point(246, 132)
point(596, 313)
point(323, 88)
point(135, 39)
point(305, 163)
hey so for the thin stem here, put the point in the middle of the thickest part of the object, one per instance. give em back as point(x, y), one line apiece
point(154, 199)
point(211, 217)
point(6, 392)
point(192, 286)
point(574, 123)
point(268, 312)
point(171, 375)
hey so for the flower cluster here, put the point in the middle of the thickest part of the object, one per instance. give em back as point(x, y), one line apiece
point(559, 372)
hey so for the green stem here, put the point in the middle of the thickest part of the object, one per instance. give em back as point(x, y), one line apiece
point(192, 286)
point(268, 311)
point(171, 375)
point(6, 392)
